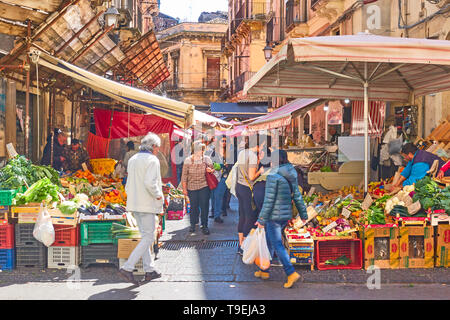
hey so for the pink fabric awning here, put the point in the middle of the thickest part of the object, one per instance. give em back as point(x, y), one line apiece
point(282, 116)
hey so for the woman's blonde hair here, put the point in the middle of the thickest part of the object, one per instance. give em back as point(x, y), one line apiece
point(198, 145)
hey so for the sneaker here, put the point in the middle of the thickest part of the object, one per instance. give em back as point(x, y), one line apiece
point(205, 230)
point(149, 276)
point(192, 229)
point(128, 276)
point(276, 263)
point(240, 251)
point(218, 220)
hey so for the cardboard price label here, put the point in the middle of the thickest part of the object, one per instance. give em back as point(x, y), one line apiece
point(367, 202)
point(346, 213)
point(84, 166)
point(330, 226)
point(413, 208)
point(408, 201)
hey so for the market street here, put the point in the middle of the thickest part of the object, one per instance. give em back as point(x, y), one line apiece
point(213, 271)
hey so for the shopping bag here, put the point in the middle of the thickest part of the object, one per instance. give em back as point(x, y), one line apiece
point(262, 260)
point(250, 248)
point(43, 229)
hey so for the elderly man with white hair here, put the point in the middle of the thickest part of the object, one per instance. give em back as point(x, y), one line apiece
point(144, 200)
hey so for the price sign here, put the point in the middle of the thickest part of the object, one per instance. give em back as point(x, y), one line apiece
point(407, 200)
point(413, 208)
point(84, 166)
point(367, 202)
point(346, 213)
point(11, 150)
point(330, 226)
point(311, 191)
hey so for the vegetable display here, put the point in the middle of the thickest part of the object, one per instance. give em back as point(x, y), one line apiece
point(19, 171)
point(431, 196)
point(42, 190)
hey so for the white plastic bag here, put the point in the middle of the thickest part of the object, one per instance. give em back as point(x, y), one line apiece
point(250, 247)
point(263, 258)
point(43, 229)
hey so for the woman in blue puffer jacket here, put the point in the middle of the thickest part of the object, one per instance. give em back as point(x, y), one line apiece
point(281, 189)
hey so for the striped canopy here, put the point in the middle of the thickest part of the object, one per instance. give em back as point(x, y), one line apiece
point(180, 113)
point(358, 67)
point(334, 67)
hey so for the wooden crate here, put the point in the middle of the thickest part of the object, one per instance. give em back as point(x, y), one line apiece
point(419, 256)
point(374, 238)
point(442, 246)
point(300, 251)
point(29, 214)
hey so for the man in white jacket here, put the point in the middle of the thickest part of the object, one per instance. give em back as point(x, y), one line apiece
point(144, 200)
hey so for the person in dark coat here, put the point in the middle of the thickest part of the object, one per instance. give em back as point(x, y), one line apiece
point(281, 192)
point(59, 142)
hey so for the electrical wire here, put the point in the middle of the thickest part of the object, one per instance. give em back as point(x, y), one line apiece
point(400, 16)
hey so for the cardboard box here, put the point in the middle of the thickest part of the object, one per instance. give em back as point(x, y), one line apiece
point(381, 246)
point(125, 247)
point(416, 247)
point(443, 246)
point(300, 251)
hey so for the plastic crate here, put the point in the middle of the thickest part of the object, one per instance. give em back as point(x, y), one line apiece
point(6, 236)
point(333, 249)
point(24, 235)
point(97, 232)
point(66, 236)
point(31, 256)
point(138, 268)
point(7, 259)
point(103, 166)
point(99, 254)
point(6, 197)
point(63, 257)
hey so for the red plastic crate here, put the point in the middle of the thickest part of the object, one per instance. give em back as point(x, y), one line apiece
point(66, 236)
point(6, 236)
point(333, 249)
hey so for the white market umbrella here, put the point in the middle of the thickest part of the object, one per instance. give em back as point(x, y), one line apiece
point(358, 67)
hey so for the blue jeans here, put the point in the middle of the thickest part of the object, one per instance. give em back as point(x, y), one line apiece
point(218, 196)
point(274, 230)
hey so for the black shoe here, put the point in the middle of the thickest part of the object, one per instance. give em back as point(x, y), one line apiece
point(224, 214)
point(205, 230)
point(211, 216)
point(240, 251)
point(128, 276)
point(218, 220)
point(149, 276)
point(192, 229)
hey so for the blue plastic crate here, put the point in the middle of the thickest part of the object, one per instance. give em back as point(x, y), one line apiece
point(7, 259)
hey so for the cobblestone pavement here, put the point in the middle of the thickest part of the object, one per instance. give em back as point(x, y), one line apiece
point(195, 266)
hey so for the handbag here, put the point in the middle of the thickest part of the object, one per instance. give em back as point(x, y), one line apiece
point(252, 202)
point(211, 179)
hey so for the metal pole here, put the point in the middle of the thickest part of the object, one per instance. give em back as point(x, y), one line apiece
point(27, 95)
point(366, 135)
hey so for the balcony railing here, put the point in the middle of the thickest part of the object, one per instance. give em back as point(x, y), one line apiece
point(211, 83)
point(250, 10)
point(293, 15)
point(240, 81)
point(274, 31)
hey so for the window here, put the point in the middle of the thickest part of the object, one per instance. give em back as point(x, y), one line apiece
point(213, 73)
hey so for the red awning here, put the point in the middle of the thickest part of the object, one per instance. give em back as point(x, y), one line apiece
point(282, 116)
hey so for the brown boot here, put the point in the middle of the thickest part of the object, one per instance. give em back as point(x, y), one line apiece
point(291, 280)
point(128, 276)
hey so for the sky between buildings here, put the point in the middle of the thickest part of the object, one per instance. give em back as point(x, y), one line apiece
point(190, 10)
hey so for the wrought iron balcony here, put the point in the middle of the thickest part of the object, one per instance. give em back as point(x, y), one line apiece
point(250, 10)
point(240, 81)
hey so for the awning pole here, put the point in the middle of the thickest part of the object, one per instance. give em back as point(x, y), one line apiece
point(366, 135)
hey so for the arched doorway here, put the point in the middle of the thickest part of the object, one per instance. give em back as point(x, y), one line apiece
point(306, 124)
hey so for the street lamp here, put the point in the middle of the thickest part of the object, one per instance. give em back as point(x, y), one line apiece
point(111, 16)
point(267, 52)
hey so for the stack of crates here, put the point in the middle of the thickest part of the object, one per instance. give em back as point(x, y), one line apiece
point(7, 251)
point(30, 253)
point(97, 243)
point(65, 251)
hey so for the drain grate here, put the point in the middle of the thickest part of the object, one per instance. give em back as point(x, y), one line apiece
point(198, 245)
